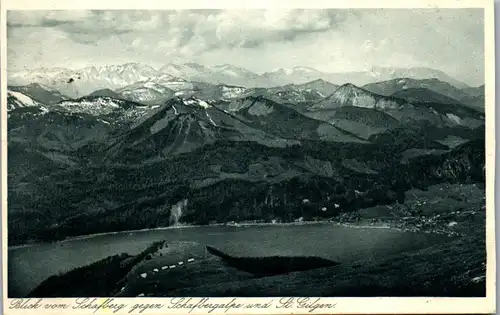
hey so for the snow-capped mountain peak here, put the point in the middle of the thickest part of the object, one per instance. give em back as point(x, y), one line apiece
point(156, 88)
point(280, 71)
point(95, 105)
point(305, 69)
point(229, 92)
point(224, 66)
point(179, 76)
point(76, 83)
point(18, 100)
point(297, 69)
point(196, 102)
point(231, 68)
point(183, 70)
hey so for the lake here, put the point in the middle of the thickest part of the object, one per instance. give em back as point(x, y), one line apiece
point(29, 266)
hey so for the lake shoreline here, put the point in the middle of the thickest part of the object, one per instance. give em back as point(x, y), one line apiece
point(426, 221)
point(247, 224)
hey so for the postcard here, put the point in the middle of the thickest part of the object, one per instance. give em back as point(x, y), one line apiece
point(270, 157)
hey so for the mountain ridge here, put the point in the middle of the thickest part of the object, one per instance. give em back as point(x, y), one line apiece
point(76, 83)
point(351, 95)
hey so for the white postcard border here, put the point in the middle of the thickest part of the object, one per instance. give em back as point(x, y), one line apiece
point(342, 305)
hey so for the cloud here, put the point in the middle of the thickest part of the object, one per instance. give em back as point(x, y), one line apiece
point(218, 28)
point(331, 40)
point(44, 18)
point(84, 26)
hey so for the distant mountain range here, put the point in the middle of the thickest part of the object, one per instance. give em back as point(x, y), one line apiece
point(77, 83)
point(160, 88)
point(315, 95)
point(289, 113)
point(305, 74)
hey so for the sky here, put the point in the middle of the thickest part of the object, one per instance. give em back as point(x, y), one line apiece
point(333, 40)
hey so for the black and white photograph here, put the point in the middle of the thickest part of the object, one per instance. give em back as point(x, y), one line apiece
point(250, 153)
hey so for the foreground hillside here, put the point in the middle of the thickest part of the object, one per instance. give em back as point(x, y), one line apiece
point(451, 265)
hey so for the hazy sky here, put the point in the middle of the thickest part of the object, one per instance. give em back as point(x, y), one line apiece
point(334, 40)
